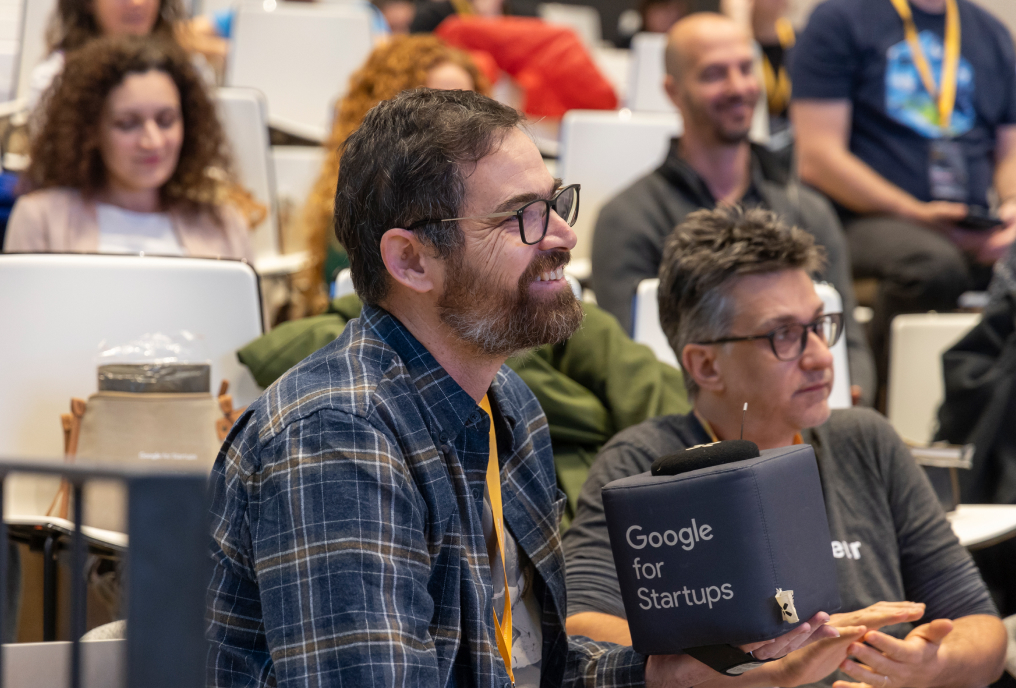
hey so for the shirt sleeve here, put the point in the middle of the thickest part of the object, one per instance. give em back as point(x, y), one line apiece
point(327, 523)
point(936, 569)
point(591, 578)
point(825, 56)
point(625, 251)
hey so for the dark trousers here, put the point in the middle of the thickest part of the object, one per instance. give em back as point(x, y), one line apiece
point(918, 270)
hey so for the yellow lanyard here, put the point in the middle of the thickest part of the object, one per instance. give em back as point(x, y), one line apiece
point(946, 90)
point(462, 7)
point(798, 439)
point(778, 83)
point(503, 628)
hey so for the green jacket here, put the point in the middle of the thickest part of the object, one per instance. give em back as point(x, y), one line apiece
point(591, 386)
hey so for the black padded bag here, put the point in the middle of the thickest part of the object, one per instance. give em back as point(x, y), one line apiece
point(719, 542)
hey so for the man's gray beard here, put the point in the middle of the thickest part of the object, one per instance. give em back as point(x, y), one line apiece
point(496, 332)
point(508, 322)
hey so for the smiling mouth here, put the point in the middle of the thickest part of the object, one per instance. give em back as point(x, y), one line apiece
point(551, 276)
point(815, 387)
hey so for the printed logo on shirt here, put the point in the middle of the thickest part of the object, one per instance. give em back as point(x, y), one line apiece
point(910, 104)
point(849, 550)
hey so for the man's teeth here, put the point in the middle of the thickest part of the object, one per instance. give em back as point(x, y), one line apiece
point(552, 275)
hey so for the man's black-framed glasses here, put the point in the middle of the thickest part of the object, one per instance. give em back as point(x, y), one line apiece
point(789, 341)
point(533, 217)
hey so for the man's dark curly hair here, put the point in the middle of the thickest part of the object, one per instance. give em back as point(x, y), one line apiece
point(73, 23)
point(65, 146)
point(704, 255)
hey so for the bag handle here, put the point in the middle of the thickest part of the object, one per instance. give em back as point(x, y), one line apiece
point(71, 423)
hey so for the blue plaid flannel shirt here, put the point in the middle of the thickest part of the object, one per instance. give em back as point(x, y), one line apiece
point(347, 537)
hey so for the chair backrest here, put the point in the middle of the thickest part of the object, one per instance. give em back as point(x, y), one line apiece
point(64, 308)
point(916, 388)
point(645, 84)
point(38, 665)
point(32, 50)
point(605, 152)
point(582, 19)
point(647, 330)
point(244, 116)
point(839, 397)
point(301, 57)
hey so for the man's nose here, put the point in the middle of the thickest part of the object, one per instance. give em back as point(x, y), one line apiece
point(559, 234)
point(817, 354)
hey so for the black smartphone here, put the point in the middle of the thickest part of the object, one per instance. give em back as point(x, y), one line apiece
point(979, 219)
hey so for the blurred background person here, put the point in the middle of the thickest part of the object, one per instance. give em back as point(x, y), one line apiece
point(130, 158)
point(403, 63)
point(76, 22)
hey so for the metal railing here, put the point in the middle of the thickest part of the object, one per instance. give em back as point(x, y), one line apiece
point(167, 572)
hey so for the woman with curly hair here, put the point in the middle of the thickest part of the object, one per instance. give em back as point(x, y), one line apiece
point(130, 158)
point(76, 22)
point(402, 63)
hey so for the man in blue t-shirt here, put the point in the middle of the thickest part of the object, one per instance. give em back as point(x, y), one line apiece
point(903, 158)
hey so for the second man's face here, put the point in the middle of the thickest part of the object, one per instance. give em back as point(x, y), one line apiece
point(719, 89)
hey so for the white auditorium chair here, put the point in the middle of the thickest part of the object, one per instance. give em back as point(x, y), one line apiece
point(605, 152)
point(582, 19)
point(244, 116)
point(647, 330)
point(916, 388)
point(35, 16)
point(59, 310)
point(301, 57)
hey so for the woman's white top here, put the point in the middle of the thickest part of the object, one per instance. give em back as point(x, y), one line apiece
point(127, 231)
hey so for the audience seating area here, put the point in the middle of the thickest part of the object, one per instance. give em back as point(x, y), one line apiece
point(288, 65)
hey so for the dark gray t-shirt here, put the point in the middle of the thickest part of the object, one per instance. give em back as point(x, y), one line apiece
point(891, 539)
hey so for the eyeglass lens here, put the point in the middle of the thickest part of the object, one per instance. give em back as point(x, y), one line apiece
point(535, 215)
point(790, 341)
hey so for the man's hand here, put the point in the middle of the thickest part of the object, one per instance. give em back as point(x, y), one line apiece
point(811, 630)
point(880, 614)
point(814, 662)
point(941, 216)
point(882, 661)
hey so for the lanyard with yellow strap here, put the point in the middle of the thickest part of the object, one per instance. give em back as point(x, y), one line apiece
point(503, 628)
point(798, 439)
point(777, 82)
point(945, 91)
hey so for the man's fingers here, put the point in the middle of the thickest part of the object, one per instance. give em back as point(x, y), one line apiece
point(851, 684)
point(865, 674)
point(893, 648)
point(935, 631)
point(780, 646)
point(881, 614)
point(751, 647)
point(879, 662)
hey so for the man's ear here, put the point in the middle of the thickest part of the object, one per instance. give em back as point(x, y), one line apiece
point(409, 262)
point(700, 362)
point(670, 86)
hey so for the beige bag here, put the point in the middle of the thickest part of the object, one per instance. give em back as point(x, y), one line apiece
point(168, 431)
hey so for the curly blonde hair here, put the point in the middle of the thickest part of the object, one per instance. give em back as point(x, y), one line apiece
point(400, 64)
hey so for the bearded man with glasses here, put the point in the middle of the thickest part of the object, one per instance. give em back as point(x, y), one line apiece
point(739, 307)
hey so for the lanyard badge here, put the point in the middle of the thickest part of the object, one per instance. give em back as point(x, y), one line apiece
point(947, 164)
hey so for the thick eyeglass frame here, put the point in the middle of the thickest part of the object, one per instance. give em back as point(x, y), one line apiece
point(518, 214)
point(814, 326)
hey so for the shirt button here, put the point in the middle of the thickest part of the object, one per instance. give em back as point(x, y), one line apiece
point(443, 437)
point(476, 493)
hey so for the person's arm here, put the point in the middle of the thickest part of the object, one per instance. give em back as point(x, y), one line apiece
point(964, 653)
point(822, 130)
point(26, 228)
point(962, 643)
point(988, 247)
point(627, 247)
point(324, 518)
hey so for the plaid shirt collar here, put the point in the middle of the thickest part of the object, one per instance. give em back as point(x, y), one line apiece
point(450, 405)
